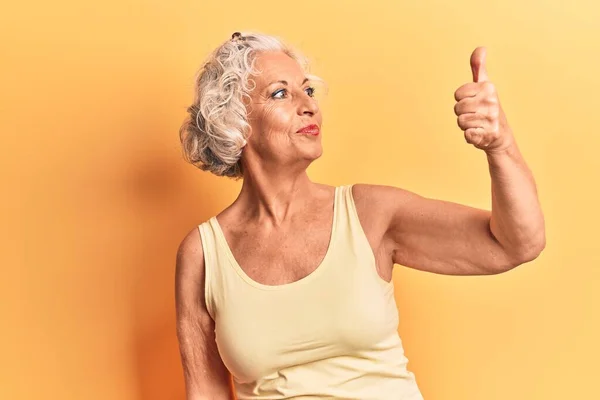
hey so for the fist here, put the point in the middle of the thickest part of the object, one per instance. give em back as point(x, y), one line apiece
point(478, 108)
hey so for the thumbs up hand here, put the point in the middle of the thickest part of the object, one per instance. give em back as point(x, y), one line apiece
point(478, 108)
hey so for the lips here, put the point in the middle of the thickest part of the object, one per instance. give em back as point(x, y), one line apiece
point(310, 129)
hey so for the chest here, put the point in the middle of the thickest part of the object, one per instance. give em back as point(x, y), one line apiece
point(281, 256)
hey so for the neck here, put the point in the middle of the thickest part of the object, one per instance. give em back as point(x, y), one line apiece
point(274, 196)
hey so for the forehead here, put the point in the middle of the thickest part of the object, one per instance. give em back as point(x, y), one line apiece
point(276, 66)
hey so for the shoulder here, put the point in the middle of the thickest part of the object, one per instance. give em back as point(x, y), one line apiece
point(383, 205)
point(189, 268)
point(373, 205)
point(382, 197)
point(190, 247)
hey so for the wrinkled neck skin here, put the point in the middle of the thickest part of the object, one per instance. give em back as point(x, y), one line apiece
point(272, 192)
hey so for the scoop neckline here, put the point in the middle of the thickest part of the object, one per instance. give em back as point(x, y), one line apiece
point(302, 281)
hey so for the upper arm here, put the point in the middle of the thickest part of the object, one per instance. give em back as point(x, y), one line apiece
point(206, 377)
point(435, 235)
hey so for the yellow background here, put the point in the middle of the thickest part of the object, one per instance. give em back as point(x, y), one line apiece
point(96, 196)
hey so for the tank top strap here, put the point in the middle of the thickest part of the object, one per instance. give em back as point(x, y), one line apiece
point(214, 257)
point(355, 237)
point(348, 218)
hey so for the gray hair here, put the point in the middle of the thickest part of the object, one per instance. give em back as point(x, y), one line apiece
point(216, 128)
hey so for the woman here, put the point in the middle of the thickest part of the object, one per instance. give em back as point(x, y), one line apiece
point(289, 288)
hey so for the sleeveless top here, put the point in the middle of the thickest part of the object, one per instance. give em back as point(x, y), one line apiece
point(331, 334)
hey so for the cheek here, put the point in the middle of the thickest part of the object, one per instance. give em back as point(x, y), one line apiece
point(277, 120)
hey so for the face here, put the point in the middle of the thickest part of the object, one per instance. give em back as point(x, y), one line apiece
point(277, 110)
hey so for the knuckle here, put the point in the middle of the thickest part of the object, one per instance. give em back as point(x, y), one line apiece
point(493, 99)
point(457, 94)
point(488, 87)
point(493, 112)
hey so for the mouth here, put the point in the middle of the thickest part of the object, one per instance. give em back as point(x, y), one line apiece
point(310, 130)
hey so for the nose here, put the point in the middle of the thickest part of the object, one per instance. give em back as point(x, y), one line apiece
point(307, 104)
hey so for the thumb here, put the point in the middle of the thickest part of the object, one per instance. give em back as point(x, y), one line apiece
point(478, 65)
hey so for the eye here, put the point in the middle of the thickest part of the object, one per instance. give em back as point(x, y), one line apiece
point(311, 92)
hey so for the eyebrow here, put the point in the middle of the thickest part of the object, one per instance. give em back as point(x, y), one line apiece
point(285, 82)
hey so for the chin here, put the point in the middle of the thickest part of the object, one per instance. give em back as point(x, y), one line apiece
point(314, 153)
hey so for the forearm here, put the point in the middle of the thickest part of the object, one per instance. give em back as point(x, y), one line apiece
point(517, 220)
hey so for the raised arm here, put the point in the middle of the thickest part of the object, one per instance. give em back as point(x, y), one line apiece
point(453, 239)
point(436, 236)
point(206, 377)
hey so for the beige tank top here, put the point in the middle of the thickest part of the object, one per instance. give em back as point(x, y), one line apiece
point(331, 334)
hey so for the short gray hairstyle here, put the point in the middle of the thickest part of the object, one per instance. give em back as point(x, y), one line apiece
point(216, 128)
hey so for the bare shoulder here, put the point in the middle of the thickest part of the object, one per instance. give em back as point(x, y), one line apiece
point(190, 255)
point(189, 272)
point(191, 243)
point(381, 209)
point(381, 202)
point(382, 195)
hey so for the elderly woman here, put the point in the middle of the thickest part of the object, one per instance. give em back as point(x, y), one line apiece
point(288, 291)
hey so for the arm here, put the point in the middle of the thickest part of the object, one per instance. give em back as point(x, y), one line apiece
point(517, 220)
point(432, 235)
point(206, 377)
point(450, 238)
point(453, 239)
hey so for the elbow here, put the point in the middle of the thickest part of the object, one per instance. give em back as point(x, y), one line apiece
point(535, 251)
point(513, 256)
point(534, 248)
point(528, 253)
